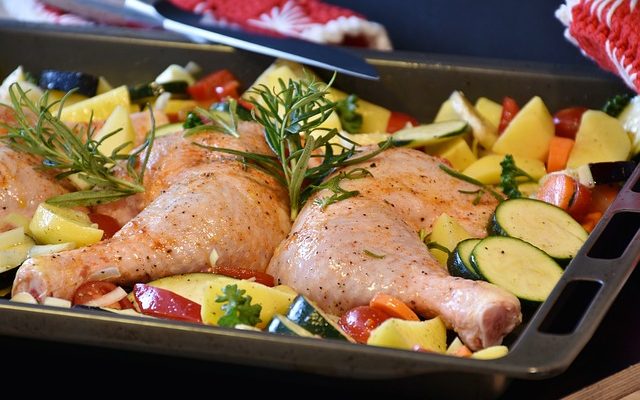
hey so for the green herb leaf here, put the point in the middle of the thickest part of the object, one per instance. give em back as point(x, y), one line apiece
point(616, 104)
point(192, 121)
point(478, 195)
point(509, 177)
point(347, 110)
point(238, 308)
point(438, 246)
point(339, 193)
point(292, 115)
point(374, 255)
point(224, 121)
point(68, 152)
point(472, 181)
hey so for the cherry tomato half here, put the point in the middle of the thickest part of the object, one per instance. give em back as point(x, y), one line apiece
point(92, 290)
point(162, 303)
point(243, 273)
point(398, 120)
point(108, 224)
point(360, 321)
point(567, 121)
point(509, 110)
point(565, 192)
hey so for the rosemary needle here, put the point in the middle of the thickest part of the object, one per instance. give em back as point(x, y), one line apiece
point(67, 152)
point(292, 116)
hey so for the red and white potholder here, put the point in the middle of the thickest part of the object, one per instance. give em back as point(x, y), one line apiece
point(310, 20)
point(607, 31)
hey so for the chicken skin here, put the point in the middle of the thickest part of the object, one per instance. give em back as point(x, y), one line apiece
point(196, 200)
point(344, 254)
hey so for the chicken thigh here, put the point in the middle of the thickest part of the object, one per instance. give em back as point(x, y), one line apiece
point(341, 256)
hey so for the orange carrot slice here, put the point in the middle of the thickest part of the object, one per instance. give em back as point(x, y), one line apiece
point(559, 150)
point(393, 306)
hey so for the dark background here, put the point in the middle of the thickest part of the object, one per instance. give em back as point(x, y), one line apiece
point(517, 29)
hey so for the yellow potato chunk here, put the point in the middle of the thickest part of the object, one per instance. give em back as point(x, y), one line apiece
point(487, 169)
point(273, 301)
point(119, 121)
point(446, 232)
point(51, 225)
point(600, 137)
point(101, 105)
point(456, 151)
point(490, 110)
point(529, 133)
point(396, 333)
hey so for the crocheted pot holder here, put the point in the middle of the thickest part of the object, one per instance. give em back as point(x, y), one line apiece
point(607, 31)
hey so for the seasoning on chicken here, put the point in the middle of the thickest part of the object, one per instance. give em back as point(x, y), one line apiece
point(203, 201)
point(327, 255)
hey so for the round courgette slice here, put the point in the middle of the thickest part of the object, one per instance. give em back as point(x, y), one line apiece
point(517, 266)
point(459, 263)
point(543, 225)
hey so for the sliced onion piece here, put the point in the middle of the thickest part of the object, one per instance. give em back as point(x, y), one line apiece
point(113, 296)
point(104, 274)
point(56, 302)
point(24, 297)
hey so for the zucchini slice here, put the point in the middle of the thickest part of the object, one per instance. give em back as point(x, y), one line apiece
point(542, 224)
point(459, 263)
point(517, 266)
point(284, 326)
point(66, 80)
point(154, 89)
point(423, 135)
point(307, 315)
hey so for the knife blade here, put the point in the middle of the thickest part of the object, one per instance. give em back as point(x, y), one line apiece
point(177, 20)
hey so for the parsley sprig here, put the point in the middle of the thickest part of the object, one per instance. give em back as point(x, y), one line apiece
point(238, 309)
point(509, 177)
point(67, 152)
point(347, 110)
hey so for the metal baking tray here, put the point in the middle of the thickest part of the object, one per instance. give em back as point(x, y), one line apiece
point(544, 346)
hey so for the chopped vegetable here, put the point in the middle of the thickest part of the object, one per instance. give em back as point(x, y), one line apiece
point(347, 110)
point(430, 335)
point(517, 266)
point(393, 306)
point(237, 308)
point(157, 302)
point(51, 225)
point(543, 225)
point(567, 121)
point(429, 134)
point(509, 110)
point(65, 81)
point(459, 262)
point(599, 138)
point(565, 192)
point(590, 220)
point(309, 316)
point(106, 223)
point(399, 120)
point(559, 151)
point(616, 104)
point(360, 321)
point(215, 87)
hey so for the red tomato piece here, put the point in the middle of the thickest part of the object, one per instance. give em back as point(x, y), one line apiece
point(108, 224)
point(163, 303)
point(243, 273)
point(580, 202)
point(398, 120)
point(92, 290)
point(567, 121)
point(602, 196)
point(509, 110)
point(215, 86)
point(360, 321)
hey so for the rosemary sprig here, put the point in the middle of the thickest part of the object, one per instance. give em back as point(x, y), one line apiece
point(339, 193)
point(472, 181)
point(292, 115)
point(225, 121)
point(70, 153)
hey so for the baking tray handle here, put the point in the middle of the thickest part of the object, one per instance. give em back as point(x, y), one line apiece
point(563, 324)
